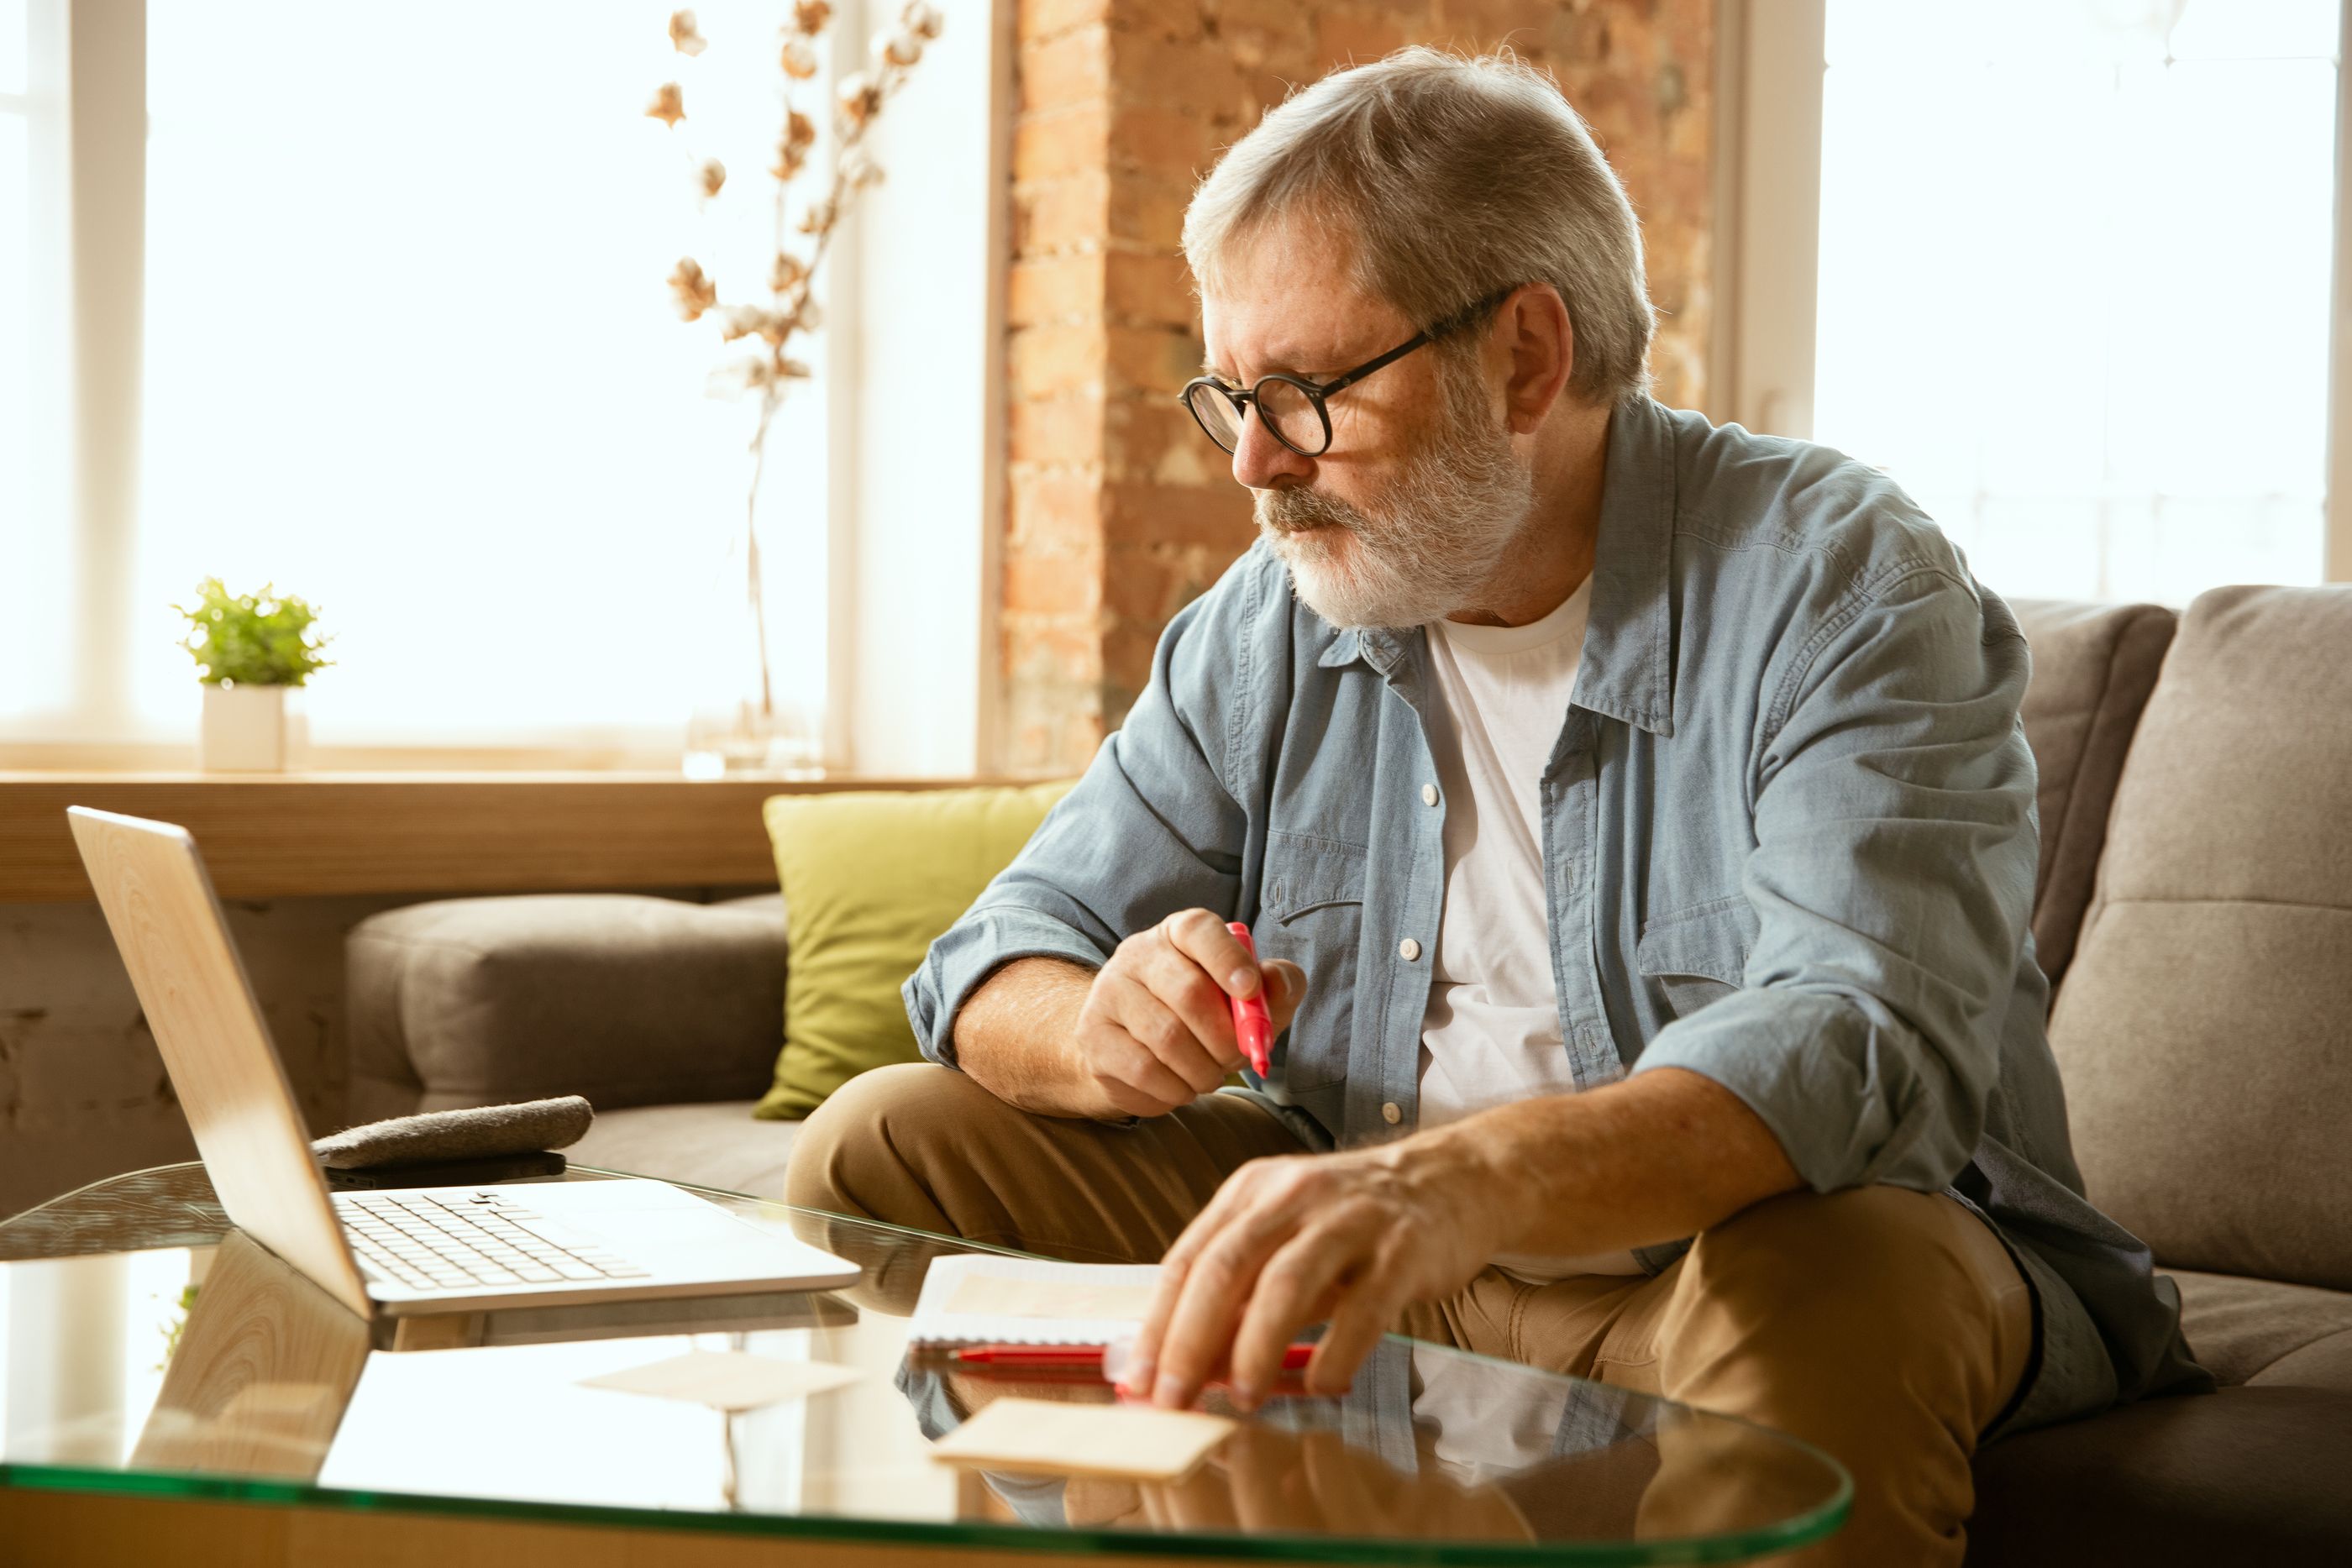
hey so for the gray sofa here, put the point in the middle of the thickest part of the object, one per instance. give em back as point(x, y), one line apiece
point(2194, 910)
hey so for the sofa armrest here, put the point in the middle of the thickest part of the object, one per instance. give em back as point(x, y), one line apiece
point(625, 998)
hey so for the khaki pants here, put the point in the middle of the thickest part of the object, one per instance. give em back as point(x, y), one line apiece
point(1887, 1327)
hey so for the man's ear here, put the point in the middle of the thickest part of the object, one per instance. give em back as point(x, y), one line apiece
point(1533, 329)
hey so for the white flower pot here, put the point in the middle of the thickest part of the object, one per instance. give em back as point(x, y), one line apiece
point(244, 730)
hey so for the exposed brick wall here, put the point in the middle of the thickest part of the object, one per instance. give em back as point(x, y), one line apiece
point(1121, 510)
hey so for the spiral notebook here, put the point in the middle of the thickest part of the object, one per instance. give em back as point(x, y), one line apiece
point(976, 1299)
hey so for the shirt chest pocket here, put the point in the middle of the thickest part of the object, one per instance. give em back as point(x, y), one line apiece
point(1311, 911)
point(1697, 955)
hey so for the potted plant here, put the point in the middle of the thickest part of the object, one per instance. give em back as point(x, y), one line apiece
point(251, 647)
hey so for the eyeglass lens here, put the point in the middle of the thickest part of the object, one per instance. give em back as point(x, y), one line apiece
point(1287, 409)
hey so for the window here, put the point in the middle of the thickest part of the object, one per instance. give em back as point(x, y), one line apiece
point(32, 472)
point(408, 353)
point(2073, 282)
point(405, 347)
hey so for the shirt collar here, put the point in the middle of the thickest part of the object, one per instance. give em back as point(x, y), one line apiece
point(1627, 668)
point(1627, 671)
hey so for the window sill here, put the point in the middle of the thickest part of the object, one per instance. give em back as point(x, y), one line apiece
point(285, 835)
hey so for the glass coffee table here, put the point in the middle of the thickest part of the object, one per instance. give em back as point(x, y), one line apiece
point(251, 1420)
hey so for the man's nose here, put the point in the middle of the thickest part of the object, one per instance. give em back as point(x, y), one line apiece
point(1259, 459)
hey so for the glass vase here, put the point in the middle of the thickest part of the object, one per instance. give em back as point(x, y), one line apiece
point(752, 716)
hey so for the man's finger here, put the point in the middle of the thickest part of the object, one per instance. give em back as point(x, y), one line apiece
point(1295, 1283)
point(1204, 1228)
point(1181, 985)
point(1143, 1360)
point(1202, 937)
point(1148, 1022)
point(1217, 1287)
point(1114, 1055)
point(1357, 1322)
point(1285, 988)
point(1129, 1101)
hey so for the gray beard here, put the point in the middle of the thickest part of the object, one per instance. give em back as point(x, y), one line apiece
point(1434, 541)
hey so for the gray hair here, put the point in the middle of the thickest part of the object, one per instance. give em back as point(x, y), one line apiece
point(1456, 178)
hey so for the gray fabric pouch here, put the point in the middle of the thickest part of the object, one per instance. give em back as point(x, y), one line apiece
point(448, 1139)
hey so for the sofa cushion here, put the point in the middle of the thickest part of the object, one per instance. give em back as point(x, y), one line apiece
point(2323, 1363)
point(2242, 1475)
point(625, 999)
point(2201, 1027)
point(870, 879)
point(2262, 1331)
point(716, 1144)
point(2094, 667)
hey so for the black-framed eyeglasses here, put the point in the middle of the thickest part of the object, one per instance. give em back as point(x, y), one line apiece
point(1291, 407)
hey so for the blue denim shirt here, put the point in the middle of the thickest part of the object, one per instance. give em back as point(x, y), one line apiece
point(1788, 837)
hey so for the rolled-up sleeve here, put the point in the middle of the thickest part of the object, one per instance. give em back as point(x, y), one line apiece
point(1890, 875)
point(1150, 828)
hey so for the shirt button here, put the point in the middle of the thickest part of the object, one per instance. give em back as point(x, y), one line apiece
point(1408, 949)
point(1429, 794)
point(1391, 1114)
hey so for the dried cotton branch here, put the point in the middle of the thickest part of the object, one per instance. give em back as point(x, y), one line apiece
point(858, 100)
point(691, 292)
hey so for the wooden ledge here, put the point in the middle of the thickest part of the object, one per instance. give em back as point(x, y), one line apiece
point(286, 835)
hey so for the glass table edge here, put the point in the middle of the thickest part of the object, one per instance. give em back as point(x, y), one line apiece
point(199, 1486)
point(1373, 1552)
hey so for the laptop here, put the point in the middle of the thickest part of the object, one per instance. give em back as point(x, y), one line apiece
point(388, 1251)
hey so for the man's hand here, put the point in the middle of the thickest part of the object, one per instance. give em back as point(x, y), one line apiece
point(1157, 1029)
point(1355, 1238)
point(1349, 1237)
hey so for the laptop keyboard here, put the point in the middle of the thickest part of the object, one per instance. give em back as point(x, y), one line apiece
point(433, 1243)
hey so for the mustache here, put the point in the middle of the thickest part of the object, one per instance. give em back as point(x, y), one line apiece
point(1297, 510)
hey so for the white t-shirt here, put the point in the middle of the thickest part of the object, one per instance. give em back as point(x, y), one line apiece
point(1499, 696)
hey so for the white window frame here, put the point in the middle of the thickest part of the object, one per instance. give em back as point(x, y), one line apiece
point(1769, 168)
point(912, 654)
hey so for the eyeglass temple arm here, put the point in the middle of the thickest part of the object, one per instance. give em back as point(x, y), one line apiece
point(1240, 396)
point(1455, 322)
point(1391, 357)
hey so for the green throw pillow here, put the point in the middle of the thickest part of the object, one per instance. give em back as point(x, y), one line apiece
point(870, 877)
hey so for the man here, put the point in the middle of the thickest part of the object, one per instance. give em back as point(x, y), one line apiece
point(1638, 833)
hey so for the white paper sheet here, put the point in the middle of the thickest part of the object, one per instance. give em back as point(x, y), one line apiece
point(976, 1299)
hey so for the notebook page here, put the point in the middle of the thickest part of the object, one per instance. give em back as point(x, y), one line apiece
point(975, 1299)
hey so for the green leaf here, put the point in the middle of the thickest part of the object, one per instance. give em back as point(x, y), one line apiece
point(261, 639)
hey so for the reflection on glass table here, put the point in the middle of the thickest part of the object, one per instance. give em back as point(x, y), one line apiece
point(267, 1390)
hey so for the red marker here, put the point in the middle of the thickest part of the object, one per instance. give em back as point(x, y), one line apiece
point(1044, 1355)
point(1251, 1023)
